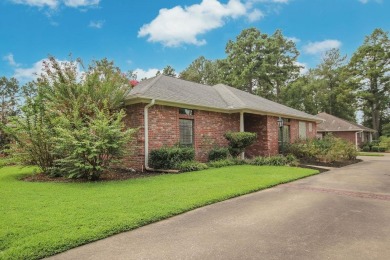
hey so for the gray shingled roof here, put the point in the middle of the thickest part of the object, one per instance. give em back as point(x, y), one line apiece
point(332, 123)
point(222, 97)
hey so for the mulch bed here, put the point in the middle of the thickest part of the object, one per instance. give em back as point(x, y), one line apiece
point(331, 164)
point(112, 175)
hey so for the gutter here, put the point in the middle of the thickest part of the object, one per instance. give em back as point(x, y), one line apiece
point(146, 135)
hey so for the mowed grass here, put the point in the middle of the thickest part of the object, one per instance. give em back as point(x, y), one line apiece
point(41, 219)
point(369, 154)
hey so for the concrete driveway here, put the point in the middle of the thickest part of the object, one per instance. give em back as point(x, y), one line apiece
point(340, 214)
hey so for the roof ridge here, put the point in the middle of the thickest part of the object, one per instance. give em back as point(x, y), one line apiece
point(219, 87)
point(142, 89)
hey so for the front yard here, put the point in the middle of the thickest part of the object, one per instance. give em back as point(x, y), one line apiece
point(41, 219)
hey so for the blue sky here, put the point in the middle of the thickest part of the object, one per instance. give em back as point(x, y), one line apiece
point(148, 35)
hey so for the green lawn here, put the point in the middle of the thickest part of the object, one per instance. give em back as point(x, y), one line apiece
point(41, 219)
point(369, 154)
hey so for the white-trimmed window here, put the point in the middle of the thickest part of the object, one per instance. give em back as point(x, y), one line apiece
point(302, 130)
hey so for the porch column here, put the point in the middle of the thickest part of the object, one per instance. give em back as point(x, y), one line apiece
point(242, 130)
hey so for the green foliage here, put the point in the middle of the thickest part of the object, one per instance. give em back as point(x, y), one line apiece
point(190, 166)
point(328, 149)
point(378, 149)
point(222, 163)
point(366, 148)
point(9, 97)
point(238, 141)
point(370, 67)
point(254, 63)
point(278, 160)
point(330, 85)
point(71, 124)
point(169, 71)
point(218, 153)
point(202, 71)
point(89, 146)
point(385, 142)
point(170, 157)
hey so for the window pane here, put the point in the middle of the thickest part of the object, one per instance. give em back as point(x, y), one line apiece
point(186, 132)
point(302, 130)
point(185, 111)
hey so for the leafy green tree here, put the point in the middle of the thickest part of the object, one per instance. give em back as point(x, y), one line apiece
point(370, 66)
point(261, 64)
point(203, 71)
point(74, 121)
point(9, 96)
point(169, 71)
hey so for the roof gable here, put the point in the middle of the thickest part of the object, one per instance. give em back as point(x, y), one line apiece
point(335, 124)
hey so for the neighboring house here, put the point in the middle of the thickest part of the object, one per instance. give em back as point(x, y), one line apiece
point(170, 111)
point(352, 132)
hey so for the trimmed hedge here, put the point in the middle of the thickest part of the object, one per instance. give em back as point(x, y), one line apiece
point(170, 157)
point(218, 153)
point(190, 166)
point(277, 160)
point(238, 141)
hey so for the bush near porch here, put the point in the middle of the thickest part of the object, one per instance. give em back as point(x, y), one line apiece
point(329, 149)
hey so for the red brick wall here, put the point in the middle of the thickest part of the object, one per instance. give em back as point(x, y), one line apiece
point(349, 136)
point(266, 128)
point(209, 130)
point(294, 130)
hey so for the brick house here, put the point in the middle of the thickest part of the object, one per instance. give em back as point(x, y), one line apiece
point(352, 132)
point(170, 111)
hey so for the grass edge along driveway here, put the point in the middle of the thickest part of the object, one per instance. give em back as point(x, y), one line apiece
point(42, 219)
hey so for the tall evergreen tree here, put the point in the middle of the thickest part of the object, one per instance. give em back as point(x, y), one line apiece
point(370, 66)
point(261, 64)
point(203, 71)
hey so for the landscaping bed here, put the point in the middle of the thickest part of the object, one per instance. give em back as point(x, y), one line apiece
point(336, 164)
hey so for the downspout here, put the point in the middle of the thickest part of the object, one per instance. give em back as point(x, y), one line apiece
point(242, 130)
point(146, 137)
point(146, 133)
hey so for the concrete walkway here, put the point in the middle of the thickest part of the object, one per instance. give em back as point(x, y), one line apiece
point(340, 214)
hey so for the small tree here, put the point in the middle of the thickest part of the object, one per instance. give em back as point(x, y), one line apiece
point(238, 141)
point(73, 125)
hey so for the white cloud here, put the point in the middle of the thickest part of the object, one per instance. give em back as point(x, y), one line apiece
point(81, 3)
point(29, 74)
point(145, 73)
point(272, 1)
point(53, 4)
point(322, 46)
point(293, 39)
point(366, 1)
point(96, 24)
point(255, 15)
point(178, 25)
point(38, 3)
point(304, 68)
point(10, 59)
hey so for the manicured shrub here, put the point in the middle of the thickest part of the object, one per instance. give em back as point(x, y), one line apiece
point(375, 148)
point(238, 141)
point(366, 148)
point(328, 149)
point(222, 163)
point(218, 153)
point(278, 160)
point(189, 166)
point(170, 157)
